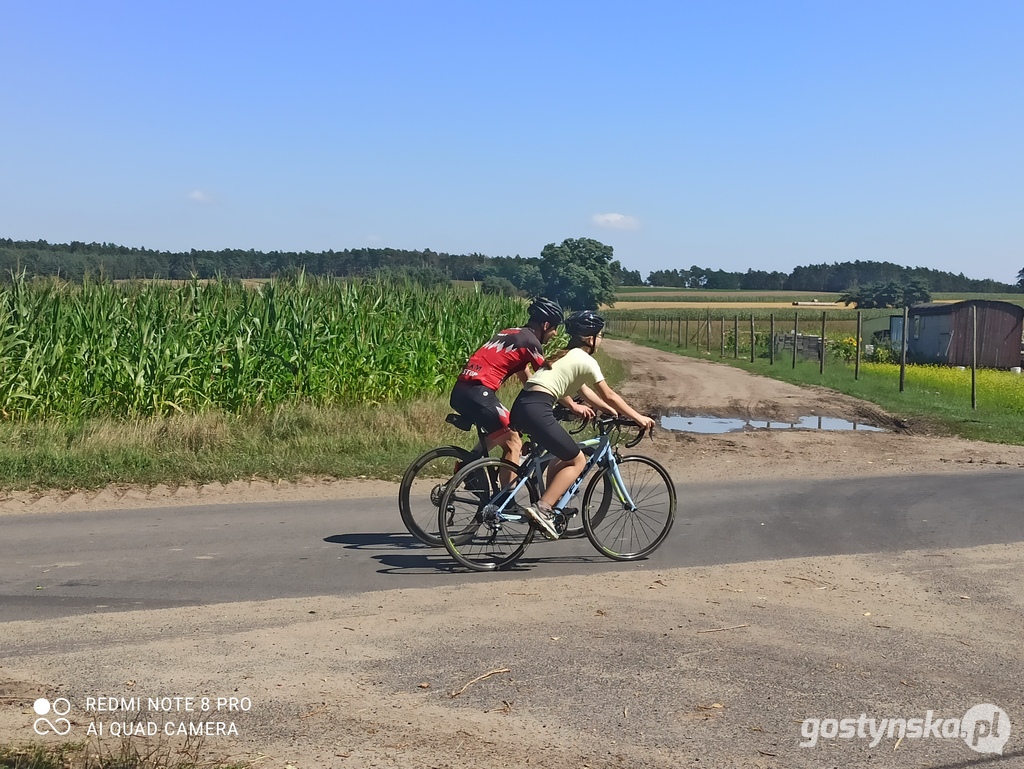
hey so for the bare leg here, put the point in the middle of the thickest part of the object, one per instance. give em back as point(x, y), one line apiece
point(512, 451)
point(562, 478)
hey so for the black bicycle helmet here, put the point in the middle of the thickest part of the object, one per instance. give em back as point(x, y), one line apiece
point(546, 311)
point(584, 323)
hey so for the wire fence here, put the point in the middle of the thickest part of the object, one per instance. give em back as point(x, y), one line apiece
point(783, 339)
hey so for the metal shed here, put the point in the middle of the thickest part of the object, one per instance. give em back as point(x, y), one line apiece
point(942, 333)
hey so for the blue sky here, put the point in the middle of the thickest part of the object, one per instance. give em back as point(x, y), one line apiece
point(735, 135)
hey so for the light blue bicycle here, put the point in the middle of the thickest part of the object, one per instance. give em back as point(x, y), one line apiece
point(627, 508)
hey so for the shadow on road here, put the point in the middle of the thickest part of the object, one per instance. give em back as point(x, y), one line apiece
point(378, 541)
point(404, 555)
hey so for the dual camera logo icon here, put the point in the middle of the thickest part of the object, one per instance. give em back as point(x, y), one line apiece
point(58, 708)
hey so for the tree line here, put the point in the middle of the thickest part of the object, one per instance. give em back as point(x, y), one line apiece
point(578, 272)
point(836, 277)
point(499, 274)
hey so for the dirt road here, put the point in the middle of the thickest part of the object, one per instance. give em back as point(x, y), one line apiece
point(708, 667)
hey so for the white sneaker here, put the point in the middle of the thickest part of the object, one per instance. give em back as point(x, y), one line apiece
point(545, 521)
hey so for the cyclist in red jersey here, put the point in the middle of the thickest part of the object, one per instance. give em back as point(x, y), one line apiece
point(508, 352)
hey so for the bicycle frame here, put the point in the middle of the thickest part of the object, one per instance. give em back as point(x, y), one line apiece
point(537, 465)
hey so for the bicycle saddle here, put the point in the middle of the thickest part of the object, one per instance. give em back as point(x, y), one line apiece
point(458, 420)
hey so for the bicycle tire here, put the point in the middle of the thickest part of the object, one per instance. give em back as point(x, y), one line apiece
point(473, 535)
point(629, 534)
point(419, 508)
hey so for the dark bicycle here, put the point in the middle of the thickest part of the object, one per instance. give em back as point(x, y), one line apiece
point(424, 482)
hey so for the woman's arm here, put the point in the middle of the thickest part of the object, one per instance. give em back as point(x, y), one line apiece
point(592, 398)
point(608, 394)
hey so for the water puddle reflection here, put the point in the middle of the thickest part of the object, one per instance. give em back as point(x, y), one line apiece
point(703, 424)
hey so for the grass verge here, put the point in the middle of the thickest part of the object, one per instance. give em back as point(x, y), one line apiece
point(120, 754)
point(290, 442)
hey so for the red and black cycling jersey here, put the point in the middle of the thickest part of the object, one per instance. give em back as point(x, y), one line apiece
point(508, 351)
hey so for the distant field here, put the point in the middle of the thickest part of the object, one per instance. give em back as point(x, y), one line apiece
point(724, 304)
point(950, 297)
point(632, 296)
point(784, 313)
point(675, 300)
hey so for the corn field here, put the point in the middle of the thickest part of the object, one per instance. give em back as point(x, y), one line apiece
point(143, 349)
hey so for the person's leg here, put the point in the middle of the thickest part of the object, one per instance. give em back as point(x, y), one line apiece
point(510, 442)
point(532, 413)
point(511, 447)
point(564, 476)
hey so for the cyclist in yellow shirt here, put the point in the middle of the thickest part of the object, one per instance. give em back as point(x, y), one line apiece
point(571, 370)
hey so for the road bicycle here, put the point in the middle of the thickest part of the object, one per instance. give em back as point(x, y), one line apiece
point(627, 508)
point(424, 481)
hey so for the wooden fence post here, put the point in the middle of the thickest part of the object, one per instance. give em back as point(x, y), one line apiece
point(752, 337)
point(903, 349)
point(856, 366)
point(821, 365)
point(974, 356)
point(796, 325)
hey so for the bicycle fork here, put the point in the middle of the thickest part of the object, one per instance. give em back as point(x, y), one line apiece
point(620, 489)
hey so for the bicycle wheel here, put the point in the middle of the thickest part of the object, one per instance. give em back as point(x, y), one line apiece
point(422, 486)
point(627, 532)
point(479, 529)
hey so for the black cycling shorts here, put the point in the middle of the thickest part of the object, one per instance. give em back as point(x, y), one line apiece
point(480, 404)
point(532, 413)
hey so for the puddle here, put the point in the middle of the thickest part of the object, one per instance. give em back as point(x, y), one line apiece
point(701, 424)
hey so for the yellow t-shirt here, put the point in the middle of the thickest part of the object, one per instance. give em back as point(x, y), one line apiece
point(567, 374)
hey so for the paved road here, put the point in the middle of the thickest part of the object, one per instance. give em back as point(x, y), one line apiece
point(58, 565)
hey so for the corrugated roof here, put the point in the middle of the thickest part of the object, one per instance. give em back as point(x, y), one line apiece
point(938, 308)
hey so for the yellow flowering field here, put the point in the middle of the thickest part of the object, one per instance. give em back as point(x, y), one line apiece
point(996, 389)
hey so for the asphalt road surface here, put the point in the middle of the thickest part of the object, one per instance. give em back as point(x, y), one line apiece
point(65, 564)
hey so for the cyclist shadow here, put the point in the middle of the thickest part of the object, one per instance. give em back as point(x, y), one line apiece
point(401, 554)
point(412, 558)
point(377, 541)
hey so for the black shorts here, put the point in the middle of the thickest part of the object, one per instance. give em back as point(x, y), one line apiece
point(532, 413)
point(480, 404)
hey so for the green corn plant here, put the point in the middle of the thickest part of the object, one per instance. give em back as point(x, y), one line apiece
point(140, 349)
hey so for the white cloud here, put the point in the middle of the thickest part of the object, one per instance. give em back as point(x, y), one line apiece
point(200, 196)
point(616, 221)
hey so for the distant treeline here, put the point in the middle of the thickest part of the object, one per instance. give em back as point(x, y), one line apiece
point(73, 261)
point(824, 277)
